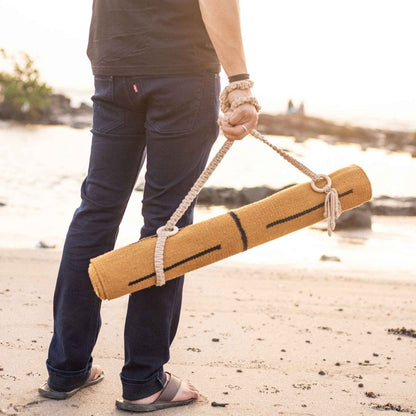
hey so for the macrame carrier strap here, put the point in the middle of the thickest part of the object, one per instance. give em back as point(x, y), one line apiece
point(332, 206)
point(170, 227)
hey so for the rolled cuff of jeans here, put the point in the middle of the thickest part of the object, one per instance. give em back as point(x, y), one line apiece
point(136, 390)
point(61, 380)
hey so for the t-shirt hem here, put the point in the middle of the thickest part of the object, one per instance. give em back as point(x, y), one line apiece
point(152, 70)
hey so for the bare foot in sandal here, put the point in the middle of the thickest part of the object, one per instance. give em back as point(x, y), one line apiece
point(175, 393)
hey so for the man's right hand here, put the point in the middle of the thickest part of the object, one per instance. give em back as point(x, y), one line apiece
point(244, 115)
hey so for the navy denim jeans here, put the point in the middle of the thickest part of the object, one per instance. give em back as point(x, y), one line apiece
point(173, 120)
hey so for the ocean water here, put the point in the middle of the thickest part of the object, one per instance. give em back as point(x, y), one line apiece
point(41, 169)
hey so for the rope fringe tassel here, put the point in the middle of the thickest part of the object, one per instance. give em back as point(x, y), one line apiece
point(332, 209)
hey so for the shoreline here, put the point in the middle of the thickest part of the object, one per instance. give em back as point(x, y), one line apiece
point(298, 126)
point(266, 340)
point(385, 202)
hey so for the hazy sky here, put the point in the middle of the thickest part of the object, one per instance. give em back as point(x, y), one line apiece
point(350, 59)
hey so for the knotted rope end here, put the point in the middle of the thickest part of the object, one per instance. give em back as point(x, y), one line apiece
point(332, 209)
point(332, 204)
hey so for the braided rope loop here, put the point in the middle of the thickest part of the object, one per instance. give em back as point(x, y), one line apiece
point(162, 236)
point(164, 232)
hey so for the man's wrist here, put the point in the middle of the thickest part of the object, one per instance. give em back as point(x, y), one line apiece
point(238, 77)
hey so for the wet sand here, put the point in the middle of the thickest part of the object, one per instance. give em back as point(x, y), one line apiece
point(269, 340)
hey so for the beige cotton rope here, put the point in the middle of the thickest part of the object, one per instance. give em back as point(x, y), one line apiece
point(170, 227)
point(332, 206)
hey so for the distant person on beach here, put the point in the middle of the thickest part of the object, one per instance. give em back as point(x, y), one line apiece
point(156, 66)
point(290, 107)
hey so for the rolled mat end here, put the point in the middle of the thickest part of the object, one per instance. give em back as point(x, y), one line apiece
point(96, 281)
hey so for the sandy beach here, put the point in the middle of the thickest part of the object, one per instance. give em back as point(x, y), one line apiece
point(268, 340)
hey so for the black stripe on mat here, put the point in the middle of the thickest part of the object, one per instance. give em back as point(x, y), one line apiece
point(307, 211)
point(243, 234)
point(193, 257)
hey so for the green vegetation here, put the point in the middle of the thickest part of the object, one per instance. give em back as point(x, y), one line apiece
point(23, 96)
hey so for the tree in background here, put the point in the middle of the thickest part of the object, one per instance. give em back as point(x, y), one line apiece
point(23, 96)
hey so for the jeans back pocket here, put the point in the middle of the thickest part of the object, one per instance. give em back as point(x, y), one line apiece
point(107, 116)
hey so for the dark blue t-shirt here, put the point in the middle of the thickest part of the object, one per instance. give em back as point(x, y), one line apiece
point(149, 37)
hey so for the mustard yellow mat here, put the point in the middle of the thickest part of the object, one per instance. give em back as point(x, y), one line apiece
point(131, 268)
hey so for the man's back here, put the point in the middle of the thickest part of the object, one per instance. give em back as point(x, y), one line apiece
point(146, 37)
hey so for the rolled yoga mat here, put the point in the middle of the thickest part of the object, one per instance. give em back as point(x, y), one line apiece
point(131, 268)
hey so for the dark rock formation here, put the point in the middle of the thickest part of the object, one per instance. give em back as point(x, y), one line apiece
point(302, 127)
point(359, 217)
point(231, 198)
point(385, 205)
point(58, 112)
point(228, 197)
point(325, 257)
point(59, 104)
point(61, 112)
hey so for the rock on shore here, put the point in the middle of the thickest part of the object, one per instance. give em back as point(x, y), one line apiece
point(61, 112)
point(232, 198)
point(359, 217)
point(386, 205)
point(302, 127)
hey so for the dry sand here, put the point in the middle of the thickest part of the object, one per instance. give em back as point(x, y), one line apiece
point(269, 340)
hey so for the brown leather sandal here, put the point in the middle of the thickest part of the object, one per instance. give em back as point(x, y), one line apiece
point(164, 400)
point(96, 375)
